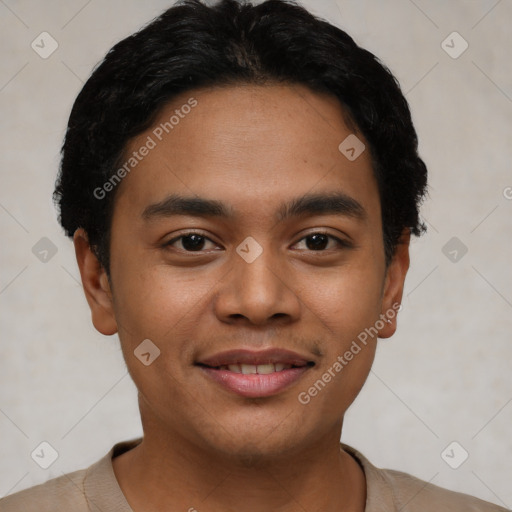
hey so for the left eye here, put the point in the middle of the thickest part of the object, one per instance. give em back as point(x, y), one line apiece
point(320, 241)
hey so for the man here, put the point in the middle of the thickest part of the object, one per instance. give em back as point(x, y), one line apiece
point(241, 183)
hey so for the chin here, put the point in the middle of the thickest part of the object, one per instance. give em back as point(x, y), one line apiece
point(254, 443)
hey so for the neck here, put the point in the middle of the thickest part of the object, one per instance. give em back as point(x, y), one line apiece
point(168, 472)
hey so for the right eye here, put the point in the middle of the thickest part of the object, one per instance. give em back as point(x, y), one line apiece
point(189, 242)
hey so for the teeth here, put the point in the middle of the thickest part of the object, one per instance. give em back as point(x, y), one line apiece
point(248, 368)
point(261, 369)
point(265, 369)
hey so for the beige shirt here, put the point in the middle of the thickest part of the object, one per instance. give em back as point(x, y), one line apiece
point(95, 489)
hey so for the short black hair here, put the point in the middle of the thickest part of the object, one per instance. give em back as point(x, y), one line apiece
point(194, 45)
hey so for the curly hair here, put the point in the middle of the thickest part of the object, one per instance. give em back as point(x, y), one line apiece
point(193, 45)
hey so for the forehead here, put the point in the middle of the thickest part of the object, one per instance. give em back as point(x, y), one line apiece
point(250, 145)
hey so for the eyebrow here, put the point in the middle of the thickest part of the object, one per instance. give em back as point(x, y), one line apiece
point(307, 205)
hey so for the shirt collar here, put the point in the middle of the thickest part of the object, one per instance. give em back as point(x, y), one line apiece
point(103, 493)
point(101, 488)
point(379, 497)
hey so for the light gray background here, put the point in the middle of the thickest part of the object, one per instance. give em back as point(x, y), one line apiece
point(445, 376)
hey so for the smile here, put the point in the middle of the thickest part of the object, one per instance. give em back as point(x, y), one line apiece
point(260, 369)
point(255, 374)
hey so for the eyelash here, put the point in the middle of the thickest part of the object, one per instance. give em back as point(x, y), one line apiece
point(342, 243)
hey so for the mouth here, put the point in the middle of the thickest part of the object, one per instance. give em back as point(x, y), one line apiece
point(260, 369)
point(255, 374)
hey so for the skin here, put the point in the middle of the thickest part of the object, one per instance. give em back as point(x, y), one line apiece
point(253, 148)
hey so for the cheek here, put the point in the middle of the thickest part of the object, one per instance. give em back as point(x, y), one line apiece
point(346, 306)
point(164, 307)
point(157, 302)
point(347, 299)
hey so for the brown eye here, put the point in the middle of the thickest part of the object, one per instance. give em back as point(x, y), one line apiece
point(190, 242)
point(317, 242)
point(322, 241)
point(193, 242)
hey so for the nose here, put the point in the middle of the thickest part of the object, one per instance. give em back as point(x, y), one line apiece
point(258, 293)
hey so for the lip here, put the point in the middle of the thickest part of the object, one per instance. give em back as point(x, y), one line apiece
point(243, 356)
point(255, 385)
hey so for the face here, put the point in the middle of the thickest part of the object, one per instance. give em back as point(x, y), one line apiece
point(244, 240)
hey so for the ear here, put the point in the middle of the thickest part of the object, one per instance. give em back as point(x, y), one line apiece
point(96, 285)
point(394, 285)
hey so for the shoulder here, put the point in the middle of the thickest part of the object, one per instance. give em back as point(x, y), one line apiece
point(63, 493)
point(94, 489)
point(389, 490)
point(415, 495)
